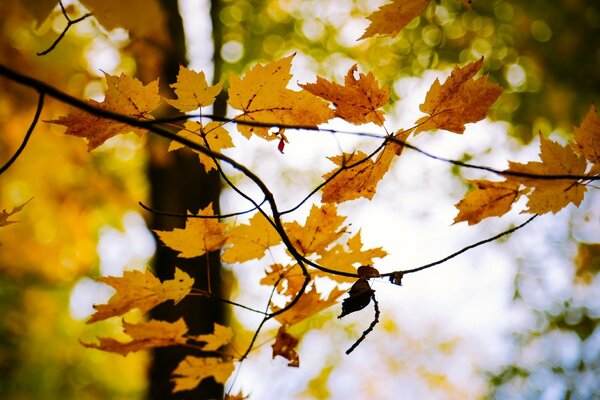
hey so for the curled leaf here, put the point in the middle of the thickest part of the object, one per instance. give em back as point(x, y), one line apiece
point(359, 296)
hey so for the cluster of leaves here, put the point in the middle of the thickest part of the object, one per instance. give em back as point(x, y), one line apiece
point(321, 247)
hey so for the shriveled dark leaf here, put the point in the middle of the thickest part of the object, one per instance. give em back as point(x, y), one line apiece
point(359, 296)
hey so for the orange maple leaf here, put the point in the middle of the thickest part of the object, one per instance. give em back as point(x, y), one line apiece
point(460, 100)
point(263, 97)
point(142, 290)
point(487, 199)
point(551, 195)
point(145, 335)
point(357, 101)
point(587, 137)
point(322, 227)
point(199, 236)
point(360, 180)
point(5, 215)
point(124, 95)
point(250, 241)
point(310, 303)
point(211, 135)
point(389, 19)
point(285, 346)
point(288, 279)
point(193, 91)
point(192, 370)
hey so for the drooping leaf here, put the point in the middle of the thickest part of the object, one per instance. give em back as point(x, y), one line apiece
point(309, 304)
point(192, 370)
point(487, 199)
point(250, 241)
point(322, 227)
point(145, 335)
point(587, 137)
point(200, 235)
point(211, 135)
point(389, 19)
point(124, 95)
point(193, 91)
point(551, 195)
point(358, 101)
point(367, 272)
point(460, 100)
point(142, 290)
point(262, 95)
point(285, 346)
point(221, 336)
point(346, 258)
point(5, 215)
point(359, 178)
point(359, 296)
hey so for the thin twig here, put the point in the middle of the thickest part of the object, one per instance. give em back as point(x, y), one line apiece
point(70, 22)
point(199, 292)
point(188, 215)
point(30, 130)
point(370, 328)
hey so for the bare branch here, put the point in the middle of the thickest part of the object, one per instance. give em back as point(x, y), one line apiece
point(70, 22)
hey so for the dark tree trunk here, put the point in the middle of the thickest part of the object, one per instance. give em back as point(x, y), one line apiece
point(179, 184)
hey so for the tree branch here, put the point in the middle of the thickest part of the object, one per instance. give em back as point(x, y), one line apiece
point(70, 23)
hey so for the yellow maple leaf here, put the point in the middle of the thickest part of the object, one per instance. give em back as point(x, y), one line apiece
point(348, 258)
point(285, 346)
point(389, 19)
point(288, 279)
point(5, 215)
point(199, 236)
point(460, 100)
point(221, 336)
point(551, 195)
point(587, 136)
point(211, 135)
point(142, 290)
point(193, 91)
point(192, 370)
point(360, 180)
point(487, 199)
point(357, 101)
point(124, 95)
point(322, 227)
point(145, 335)
point(263, 97)
point(250, 241)
point(310, 303)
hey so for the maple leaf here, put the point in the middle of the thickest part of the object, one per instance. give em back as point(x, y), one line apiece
point(357, 101)
point(288, 279)
point(250, 240)
point(310, 303)
point(221, 336)
point(285, 346)
point(340, 259)
point(487, 199)
point(192, 370)
point(145, 335)
point(124, 95)
point(555, 194)
point(142, 290)
point(360, 180)
point(322, 227)
point(263, 97)
point(199, 236)
point(193, 91)
point(391, 18)
point(587, 136)
point(460, 100)
point(5, 215)
point(212, 135)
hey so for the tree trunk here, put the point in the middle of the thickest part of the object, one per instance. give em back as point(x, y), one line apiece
point(179, 184)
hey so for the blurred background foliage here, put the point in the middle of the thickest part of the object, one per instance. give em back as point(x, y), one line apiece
point(547, 57)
